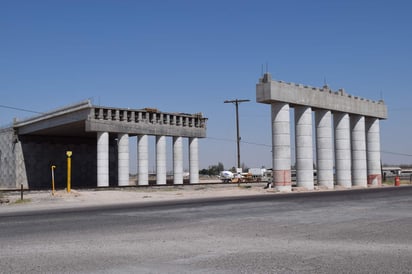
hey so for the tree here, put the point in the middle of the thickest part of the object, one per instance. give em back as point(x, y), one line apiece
point(204, 171)
point(212, 169)
point(220, 167)
point(244, 167)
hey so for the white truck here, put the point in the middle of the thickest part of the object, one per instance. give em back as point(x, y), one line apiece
point(226, 176)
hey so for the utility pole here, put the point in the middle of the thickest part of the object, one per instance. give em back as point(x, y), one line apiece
point(236, 103)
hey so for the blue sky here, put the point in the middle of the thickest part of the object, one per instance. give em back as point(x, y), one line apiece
point(190, 56)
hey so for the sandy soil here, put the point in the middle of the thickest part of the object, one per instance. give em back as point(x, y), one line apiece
point(39, 200)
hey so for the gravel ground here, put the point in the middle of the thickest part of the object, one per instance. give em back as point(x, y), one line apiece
point(39, 200)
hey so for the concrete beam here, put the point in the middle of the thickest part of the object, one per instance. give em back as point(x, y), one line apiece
point(143, 128)
point(86, 119)
point(269, 91)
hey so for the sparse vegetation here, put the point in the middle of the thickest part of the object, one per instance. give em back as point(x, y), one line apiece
point(3, 199)
point(212, 170)
point(200, 188)
point(19, 201)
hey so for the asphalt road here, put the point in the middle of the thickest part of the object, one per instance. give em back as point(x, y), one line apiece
point(332, 232)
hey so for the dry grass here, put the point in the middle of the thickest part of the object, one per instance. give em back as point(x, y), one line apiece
point(24, 201)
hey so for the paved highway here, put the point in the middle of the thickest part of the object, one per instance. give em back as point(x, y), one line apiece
point(331, 232)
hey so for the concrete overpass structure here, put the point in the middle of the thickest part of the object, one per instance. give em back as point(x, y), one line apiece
point(99, 139)
point(349, 150)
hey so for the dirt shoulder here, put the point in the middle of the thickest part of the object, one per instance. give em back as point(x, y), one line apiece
point(40, 200)
point(43, 200)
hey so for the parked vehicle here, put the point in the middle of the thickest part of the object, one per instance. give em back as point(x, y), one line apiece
point(226, 176)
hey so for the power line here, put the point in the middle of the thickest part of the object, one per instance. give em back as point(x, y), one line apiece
point(21, 109)
point(266, 145)
point(256, 144)
point(397, 153)
point(243, 142)
point(221, 139)
point(213, 138)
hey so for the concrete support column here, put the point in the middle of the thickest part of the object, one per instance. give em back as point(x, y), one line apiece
point(123, 159)
point(358, 142)
point(177, 160)
point(161, 160)
point(342, 150)
point(281, 146)
point(194, 160)
point(373, 152)
point(102, 159)
point(143, 159)
point(304, 147)
point(324, 148)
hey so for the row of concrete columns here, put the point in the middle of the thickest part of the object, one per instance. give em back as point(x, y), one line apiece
point(143, 159)
point(356, 153)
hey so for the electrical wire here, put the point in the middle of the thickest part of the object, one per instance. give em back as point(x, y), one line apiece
point(211, 138)
point(21, 109)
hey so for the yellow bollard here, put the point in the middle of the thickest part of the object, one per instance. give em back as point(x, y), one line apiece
point(69, 170)
point(52, 174)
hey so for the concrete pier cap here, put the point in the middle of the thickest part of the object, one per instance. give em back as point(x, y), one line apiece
point(269, 91)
